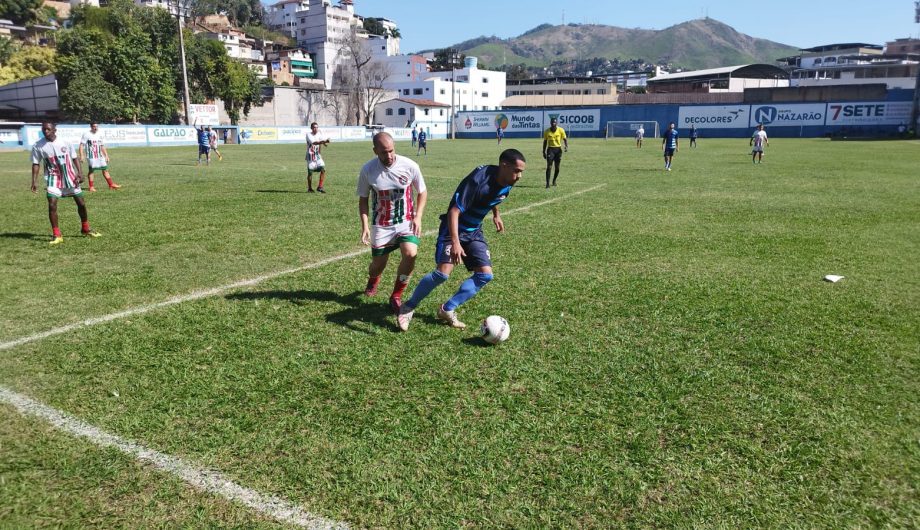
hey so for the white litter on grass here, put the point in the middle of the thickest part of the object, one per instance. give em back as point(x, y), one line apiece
point(833, 278)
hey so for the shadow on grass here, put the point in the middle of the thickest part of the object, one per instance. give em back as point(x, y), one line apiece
point(478, 342)
point(282, 191)
point(356, 310)
point(23, 235)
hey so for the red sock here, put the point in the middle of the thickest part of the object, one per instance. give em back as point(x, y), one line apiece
point(372, 283)
point(85, 226)
point(400, 286)
point(56, 231)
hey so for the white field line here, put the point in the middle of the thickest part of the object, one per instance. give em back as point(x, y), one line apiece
point(196, 295)
point(204, 480)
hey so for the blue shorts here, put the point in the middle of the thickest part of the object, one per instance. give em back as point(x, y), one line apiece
point(204, 149)
point(473, 243)
point(668, 152)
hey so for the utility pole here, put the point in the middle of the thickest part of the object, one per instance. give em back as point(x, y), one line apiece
point(180, 5)
point(454, 56)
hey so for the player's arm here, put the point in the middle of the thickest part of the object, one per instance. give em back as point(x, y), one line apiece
point(35, 169)
point(453, 224)
point(565, 141)
point(544, 146)
point(497, 220)
point(79, 170)
point(365, 227)
point(105, 153)
point(80, 152)
point(420, 200)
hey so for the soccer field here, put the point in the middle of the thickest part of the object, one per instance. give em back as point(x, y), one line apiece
point(675, 358)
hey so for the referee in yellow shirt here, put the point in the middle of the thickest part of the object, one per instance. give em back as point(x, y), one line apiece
point(553, 140)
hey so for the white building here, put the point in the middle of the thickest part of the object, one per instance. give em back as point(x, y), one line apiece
point(430, 115)
point(853, 64)
point(473, 88)
point(283, 16)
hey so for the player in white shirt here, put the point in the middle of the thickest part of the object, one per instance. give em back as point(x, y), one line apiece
point(92, 149)
point(212, 142)
point(759, 140)
point(640, 134)
point(62, 178)
point(393, 220)
point(315, 142)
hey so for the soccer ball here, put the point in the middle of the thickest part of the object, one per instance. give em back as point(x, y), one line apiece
point(495, 329)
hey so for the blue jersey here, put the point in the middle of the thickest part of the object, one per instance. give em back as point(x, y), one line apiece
point(422, 137)
point(670, 139)
point(475, 197)
point(204, 138)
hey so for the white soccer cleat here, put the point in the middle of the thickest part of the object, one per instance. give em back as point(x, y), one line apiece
point(404, 317)
point(450, 317)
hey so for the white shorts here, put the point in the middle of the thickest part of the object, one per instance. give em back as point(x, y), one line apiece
point(64, 192)
point(757, 149)
point(388, 236)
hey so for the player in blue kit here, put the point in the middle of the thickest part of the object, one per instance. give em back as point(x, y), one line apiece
point(204, 145)
point(460, 237)
point(669, 145)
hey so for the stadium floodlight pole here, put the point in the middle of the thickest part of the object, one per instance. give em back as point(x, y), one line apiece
point(180, 5)
point(452, 57)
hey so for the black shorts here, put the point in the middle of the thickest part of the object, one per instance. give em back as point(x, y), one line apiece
point(553, 154)
point(204, 149)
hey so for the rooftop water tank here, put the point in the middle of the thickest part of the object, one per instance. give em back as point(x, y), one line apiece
point(470, 62)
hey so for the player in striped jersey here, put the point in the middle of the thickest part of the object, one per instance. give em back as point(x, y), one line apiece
point(670, 145)
point(92, 149)
point(62, 178)
point(460, 238)
point(390, 218)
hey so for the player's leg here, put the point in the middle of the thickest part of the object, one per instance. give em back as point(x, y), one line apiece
point(556, 163)
point(309, 180)
point(322, 180)
point(108, 180)
point(408, 248)
point(84, 217)
point(430, 281)
point(89, 179)
point(374, 272)
point(549, 165)
point(56, 237)
point(478, 260)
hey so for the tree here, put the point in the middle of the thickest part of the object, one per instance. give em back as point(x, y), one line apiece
point(27, 62)
point(445, 57)
point(7, 48)
point(20, 11)
point(361, 77)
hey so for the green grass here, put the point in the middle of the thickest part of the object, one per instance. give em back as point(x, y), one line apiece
point(675, 358)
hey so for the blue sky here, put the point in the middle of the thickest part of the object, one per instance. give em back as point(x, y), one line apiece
point(428, 24)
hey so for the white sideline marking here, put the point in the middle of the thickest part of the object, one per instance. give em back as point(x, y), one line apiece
point(205, 480)
point(236, 285)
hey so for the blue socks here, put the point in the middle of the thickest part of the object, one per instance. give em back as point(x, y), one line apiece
point(425, 286)
point(467, 290)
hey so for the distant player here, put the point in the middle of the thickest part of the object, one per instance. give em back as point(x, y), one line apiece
point(315, 142)
point(669, 145)
point(460, 237)
point(499, 133)
point(640, 134)
point(694, 134)
point(422, 142)
point(92, 147)
point(204, 145)
point(414, 135)
point(62, 179)
point(388, 181)
point(212, 142)
point(758, 141)
point(553, 140)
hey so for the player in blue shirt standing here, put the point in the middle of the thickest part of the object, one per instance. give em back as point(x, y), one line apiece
point(460, 237)
point(204, 145)
point(670, 145)
point(422, 142)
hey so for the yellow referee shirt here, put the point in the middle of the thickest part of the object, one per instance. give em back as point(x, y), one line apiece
point(554, 139)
